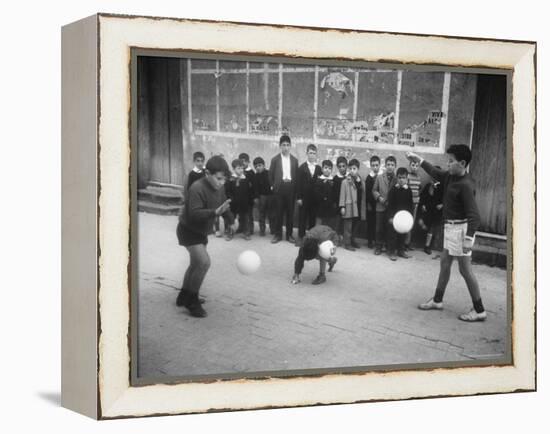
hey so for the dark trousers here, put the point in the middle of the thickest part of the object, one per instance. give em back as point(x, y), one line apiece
point(242, 216)
point(382, 228)
point(284, 208)
point(371, 226)
point(250, 220)
point(306, 218)
point(348, 228)
point(396, 241)
point(264, 211)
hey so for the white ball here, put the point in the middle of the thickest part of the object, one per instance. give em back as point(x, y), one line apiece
point(403, 222)
point(248, 262)
point(326, 249)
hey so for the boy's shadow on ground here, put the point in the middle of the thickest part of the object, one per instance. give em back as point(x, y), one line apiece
point(53, 398)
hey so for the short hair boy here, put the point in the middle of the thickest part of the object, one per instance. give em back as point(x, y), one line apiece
point(307, 174)
point(370, 200)
point(324, 196)
point(382, 186)
point(262, 193)
point(461, 220)
point(399, 199)
point(239, 190)
point(198, 169)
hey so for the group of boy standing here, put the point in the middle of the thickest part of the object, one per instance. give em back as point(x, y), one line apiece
point(324, 198)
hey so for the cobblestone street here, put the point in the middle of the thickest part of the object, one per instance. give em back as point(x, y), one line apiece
point(364, 315)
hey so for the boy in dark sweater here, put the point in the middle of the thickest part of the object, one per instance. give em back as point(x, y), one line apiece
point(198, 170)
point(324, 196)
point(239, 190)
point(400, 198)
point(371, 201)
point(307, 173)
point(249, 173)
point(461, 220)
point(205, 201)
point(262, 193)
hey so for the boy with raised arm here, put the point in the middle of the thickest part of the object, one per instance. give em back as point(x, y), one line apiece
point(461, 220)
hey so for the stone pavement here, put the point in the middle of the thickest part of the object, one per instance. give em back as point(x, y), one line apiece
point(364, 315)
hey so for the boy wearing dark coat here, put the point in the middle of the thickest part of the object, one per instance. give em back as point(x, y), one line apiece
point(307, 173)
point(400, 198)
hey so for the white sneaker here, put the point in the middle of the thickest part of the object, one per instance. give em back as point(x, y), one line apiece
point(473, 316)
point(430, 305)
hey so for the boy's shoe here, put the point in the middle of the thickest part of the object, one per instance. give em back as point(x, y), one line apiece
point(350, 248)
point(378, 251)
point(354, 244)
point(276, 239)
point(228, 237)
point(403, 255)
point(184, 298)
point(218, 234)
point(291, 239)
point(392, 256)
point(246, 237)
point(370, 244)
point(473, 316)
point(319, 279)
point(331, 262)
point(427, 250)
point(431, 305)
point(195, 309)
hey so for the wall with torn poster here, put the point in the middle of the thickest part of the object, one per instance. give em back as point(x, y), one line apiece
point(230, 107)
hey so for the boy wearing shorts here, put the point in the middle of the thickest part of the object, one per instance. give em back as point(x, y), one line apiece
point(461, 220)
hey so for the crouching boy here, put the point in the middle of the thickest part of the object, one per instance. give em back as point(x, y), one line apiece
point(310, 250)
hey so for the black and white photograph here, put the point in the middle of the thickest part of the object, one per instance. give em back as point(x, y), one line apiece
point(300, 217)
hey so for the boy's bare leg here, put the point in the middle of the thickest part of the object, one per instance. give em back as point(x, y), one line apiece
point(465, 267)
point(322, 266)
point(445, 265)
point(199, 265)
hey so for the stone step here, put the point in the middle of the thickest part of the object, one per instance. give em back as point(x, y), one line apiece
point(168, 196)
point(158, 208)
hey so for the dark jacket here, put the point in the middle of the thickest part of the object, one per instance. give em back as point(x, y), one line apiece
point(427, 205)
point(241, 193)
point(371, 201)
point(305, 182)
point(276, 172)
point(262, 187)
point(399, 199)
point(324, 195)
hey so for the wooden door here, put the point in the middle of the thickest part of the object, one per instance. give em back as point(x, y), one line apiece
point(488, 166)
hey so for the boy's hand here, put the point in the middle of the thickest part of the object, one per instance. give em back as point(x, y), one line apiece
point(223, 207)
point(424, 208)
point(440, 206)
point(299, 202)
point(295, 279)
point(411, 156)
point(343, 211)
point(256, 201)
point(381, 200)
point(467, 244)
point(390, 221)
point(234, 227)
